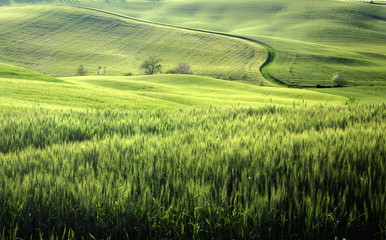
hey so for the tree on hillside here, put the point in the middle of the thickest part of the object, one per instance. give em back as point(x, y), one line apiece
point(338, 80)
point(183, 68)
point(81, 70)
point(152, 65)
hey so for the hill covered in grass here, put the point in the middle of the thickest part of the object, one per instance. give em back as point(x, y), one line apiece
point(151, 92)
point(188, 156)
point(313, 39)
point(10, 71)
point(55, 40)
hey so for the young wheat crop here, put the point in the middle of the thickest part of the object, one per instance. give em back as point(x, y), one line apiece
point(235, 172)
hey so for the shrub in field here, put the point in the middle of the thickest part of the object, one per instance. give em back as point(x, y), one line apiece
point(338, 80)
point(183, 68)
point(128, 74)
point(171, 71)
point(101, 71)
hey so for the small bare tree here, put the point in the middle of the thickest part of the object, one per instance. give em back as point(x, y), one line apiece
point(81, 70)
point(183, 68)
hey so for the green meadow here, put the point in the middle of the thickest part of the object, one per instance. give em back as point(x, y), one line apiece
point(255, 144)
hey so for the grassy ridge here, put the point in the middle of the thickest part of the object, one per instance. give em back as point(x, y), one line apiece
point(10, 71)
point(313, 39)
point(239, 172)
point(209, 91)
point(56, 40)
point(37, 93)
point(149, 92)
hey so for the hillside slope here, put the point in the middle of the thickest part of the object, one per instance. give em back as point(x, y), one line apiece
point(10, 71)
point(313, 39)
point(56, 40)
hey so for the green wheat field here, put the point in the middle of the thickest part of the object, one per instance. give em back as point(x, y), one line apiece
point(256, 142)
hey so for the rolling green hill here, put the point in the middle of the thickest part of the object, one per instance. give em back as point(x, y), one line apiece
point(56, 40)
point(151, 92)
point(172, 156)
point(313, 39)
point(10, 71)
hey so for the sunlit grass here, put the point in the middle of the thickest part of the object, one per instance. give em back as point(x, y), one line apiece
point(149, 92)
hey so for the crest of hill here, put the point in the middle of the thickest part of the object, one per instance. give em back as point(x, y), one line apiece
point(10, 71)
point(162, 91)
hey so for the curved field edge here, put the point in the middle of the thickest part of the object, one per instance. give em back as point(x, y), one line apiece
point(263, 68)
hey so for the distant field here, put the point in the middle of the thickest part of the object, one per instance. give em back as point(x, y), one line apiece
point(313, 39)
point(56, 40)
